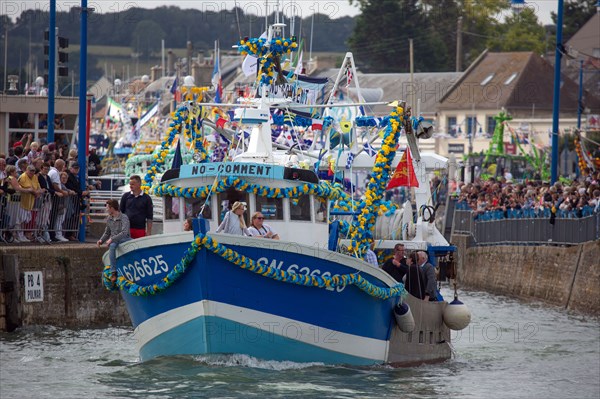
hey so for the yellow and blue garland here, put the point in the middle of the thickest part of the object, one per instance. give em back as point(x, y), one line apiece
point(185, 119)
point(365, 222)
point(267, 52)
point(249, 264)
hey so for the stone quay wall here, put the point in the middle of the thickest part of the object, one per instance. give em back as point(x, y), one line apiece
point(567, 277)
point(74, 296)
point(73, 293)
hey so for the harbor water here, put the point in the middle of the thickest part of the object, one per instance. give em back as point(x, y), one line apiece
point(511, 349)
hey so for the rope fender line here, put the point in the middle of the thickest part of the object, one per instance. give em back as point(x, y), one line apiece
point(246, 263)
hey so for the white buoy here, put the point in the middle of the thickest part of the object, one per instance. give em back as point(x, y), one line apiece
point(457, 315)
point(404, 317)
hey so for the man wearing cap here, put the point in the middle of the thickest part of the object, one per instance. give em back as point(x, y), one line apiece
point(138, 207)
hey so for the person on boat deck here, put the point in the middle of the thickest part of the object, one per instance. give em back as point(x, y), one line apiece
point(429, 272)
point(234, 223)
point(188, 224)
point(370, 256)
point(396, 267)
point(259, 229)
point(138, 207)
point(116, 232)
point(414, 280)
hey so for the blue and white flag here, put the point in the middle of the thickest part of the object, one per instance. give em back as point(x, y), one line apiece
point(243, 134)
point(216, 76)
point(174, 87)
point(370, 150)
point(350, 160)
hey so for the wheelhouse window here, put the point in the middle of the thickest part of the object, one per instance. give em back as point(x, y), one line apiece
point(300, 208)
point(226, 199)
point(193, 207)
point(171, 208)
point(320, 210)
point(271, 208)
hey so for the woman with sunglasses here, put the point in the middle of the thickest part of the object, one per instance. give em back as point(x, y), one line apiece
point(259, 229)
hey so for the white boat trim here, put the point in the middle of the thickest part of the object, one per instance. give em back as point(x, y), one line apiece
point(349, 344)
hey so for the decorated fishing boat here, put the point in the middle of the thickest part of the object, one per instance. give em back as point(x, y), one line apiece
point(306, 297)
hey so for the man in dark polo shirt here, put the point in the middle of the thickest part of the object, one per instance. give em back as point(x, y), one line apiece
point(137, 205)
point(396, 267)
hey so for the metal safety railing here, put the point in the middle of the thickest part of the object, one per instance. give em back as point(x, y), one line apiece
point(26, 218)
point(528, 231)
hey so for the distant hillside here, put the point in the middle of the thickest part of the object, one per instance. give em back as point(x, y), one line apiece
point(132, 38)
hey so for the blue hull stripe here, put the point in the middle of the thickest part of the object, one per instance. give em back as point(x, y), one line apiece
point(228, 337)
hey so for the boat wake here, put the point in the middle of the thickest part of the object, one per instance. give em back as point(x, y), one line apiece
point(237, 360)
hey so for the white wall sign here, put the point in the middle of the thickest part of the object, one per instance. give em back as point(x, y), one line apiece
point(34, 287)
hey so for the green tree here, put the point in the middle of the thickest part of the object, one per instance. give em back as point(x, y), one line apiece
point(146, 37)
point(381, 36)
point(520, 32)
point(575, 14)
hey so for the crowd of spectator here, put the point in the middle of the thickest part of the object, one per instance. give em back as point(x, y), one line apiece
point(502, 198)
point(45, 182)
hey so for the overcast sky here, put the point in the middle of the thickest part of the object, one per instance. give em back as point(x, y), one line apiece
point(332, 8)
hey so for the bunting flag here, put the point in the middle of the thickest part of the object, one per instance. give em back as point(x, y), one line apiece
point(221, 122)
point(216, 76)
point(177, 159)
point(349, 76)
point(349, 160)
point(175, 91)
point(404, 176)
point(289, 118)
point(370, 150)
point(249, 65)
point(317, 124)
point(298, 69)
point(244, 134)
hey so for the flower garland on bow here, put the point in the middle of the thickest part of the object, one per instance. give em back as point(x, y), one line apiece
point(268, 54)
point(249, 264)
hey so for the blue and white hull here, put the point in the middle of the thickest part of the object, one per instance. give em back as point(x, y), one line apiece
point(218, 307)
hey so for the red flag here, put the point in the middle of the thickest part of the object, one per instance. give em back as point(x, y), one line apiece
point(404, 175)
point(221, 122)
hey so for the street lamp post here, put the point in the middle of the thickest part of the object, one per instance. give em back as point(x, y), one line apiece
point(83, 109)
point(556, 102)
point(51, 71)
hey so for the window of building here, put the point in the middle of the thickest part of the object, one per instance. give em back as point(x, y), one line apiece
point(17, 120)
point(271, 208)
point(487, 79)
point(451, 127)
point(471, 125)
point(511, 78)
point(491, 124)
point(300, 208)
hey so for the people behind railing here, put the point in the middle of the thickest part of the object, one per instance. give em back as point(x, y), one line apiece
point(38, 201)
point(502, 199)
